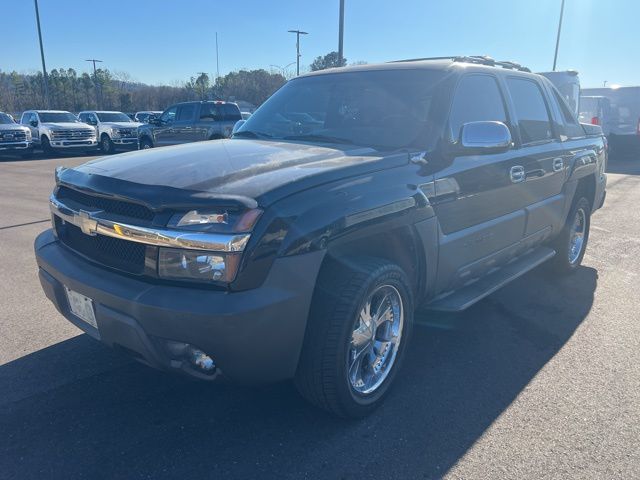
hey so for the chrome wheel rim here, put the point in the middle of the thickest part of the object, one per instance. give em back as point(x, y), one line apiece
point(577, 236)
point(105, 145)
point(375, 340)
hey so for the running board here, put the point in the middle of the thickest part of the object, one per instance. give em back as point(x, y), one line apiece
point(466, 296)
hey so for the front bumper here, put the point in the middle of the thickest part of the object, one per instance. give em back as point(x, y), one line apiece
point(15, 146)
point(71, 144)
point(254, 336)
point(126, 142)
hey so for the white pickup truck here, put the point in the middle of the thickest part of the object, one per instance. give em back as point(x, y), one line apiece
point(115, 130)
point(57, 130)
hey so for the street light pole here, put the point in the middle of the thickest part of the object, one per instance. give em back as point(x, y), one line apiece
point(44, 68)
point(95, 81)
point(298, 33)
point(555, 57)
point(341, 35)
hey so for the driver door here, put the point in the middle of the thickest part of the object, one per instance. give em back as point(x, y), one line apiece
point(478, 199)
point(164, 133)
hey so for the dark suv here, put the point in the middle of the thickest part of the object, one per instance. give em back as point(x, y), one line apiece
point(189, 122)
point(301, 247)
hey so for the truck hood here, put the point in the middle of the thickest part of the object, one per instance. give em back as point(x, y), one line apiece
point(120, 124)
point(256, 171)
point(66, 126)
point(12, 126)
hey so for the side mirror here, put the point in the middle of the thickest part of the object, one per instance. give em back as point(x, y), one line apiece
point(33, 123)
point(485, 137)
point(237, 126)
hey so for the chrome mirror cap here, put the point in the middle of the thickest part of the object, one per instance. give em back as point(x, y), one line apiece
point(489, 136)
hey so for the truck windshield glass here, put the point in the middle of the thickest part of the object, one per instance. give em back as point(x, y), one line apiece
point(57, 117)
point(112, 117)
point(386, 109)
point(5, 119)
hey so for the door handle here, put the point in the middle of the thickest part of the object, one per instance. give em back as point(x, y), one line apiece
point(558, 164)
point(517, 174)
point(537, 173)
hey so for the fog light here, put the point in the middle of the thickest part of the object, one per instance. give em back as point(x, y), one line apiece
point(196, 357)
point(200, 360)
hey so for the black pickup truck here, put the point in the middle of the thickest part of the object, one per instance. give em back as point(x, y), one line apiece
point(300, 248)
point(188, 122)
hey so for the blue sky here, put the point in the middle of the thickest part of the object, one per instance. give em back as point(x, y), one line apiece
point(166, 41)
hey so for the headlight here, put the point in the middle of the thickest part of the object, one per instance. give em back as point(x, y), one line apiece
point(115, 133)
point(180, 264)
point(28, 133)
point(222, 221)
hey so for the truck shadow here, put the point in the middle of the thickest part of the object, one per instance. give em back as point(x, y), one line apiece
point(624, 163)
point(111, 418)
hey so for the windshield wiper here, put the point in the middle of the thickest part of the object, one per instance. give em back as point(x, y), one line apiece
point(319, 138)
point(251, 134)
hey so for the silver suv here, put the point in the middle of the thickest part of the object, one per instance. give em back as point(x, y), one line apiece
point(57, 130)
point(115, 130)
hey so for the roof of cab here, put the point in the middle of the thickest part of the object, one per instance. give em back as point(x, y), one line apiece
point(439, 63)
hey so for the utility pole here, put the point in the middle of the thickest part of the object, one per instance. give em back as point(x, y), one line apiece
point(95, 81)
point(298, 33)
point(44, 67)
point(555, 57)
point(341, 35)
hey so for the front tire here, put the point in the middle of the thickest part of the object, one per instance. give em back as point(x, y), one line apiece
point(145, 143)
point(571, 243)
point(106, 145)
point(46, 145)
point(359, 327)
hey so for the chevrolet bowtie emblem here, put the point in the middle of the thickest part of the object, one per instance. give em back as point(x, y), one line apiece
point(86, 222)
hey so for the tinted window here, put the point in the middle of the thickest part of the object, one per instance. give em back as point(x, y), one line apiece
point(229, 112)
point(208, 112)
point(186, 112)
point(83, 117)
point(531, 110)
point(169, 115)
point(477, 98)
point(571, 126)
point(5, 119)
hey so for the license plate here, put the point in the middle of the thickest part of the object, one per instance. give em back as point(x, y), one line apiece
point(81, 307)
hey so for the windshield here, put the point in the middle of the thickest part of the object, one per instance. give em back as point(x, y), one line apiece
point(380, 109)
point(112, 117)
point(5, 119)
point(57, 117)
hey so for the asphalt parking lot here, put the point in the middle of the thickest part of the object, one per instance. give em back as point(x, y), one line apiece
point(540, 380)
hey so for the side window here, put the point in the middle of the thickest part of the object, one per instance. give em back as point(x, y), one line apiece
point(571, 126)
point(185, 112)
point(531, 110)
point(477, 99)
point(208, 112)
point(169, 115)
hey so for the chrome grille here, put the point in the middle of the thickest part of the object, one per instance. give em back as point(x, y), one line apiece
point(127, 132)
point(70, 135)
point(13, 136)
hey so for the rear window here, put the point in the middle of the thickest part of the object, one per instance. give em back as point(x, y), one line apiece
point(531, 110)
point(217, 112)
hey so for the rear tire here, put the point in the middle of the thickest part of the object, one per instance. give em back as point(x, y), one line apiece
point(358, 330)
point(571, 243)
